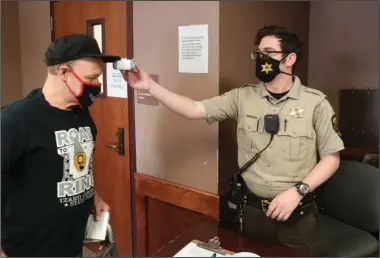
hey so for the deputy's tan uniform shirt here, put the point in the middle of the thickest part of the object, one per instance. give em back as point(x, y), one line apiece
point(307, 125)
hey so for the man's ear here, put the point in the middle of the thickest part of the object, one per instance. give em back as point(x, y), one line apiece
point(62, 71)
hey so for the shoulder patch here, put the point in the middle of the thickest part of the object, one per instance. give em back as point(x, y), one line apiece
point(314, 91)
point(335, 125)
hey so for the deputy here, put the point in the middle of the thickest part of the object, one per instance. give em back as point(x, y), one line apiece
point(287, 172)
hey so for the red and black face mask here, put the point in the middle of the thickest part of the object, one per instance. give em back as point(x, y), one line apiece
point(87, 94)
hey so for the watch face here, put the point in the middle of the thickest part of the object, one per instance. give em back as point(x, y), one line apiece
point(304, 188)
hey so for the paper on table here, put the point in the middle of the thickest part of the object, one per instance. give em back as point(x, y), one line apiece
point(97, 230)
point(192, 250)
point(245, 254)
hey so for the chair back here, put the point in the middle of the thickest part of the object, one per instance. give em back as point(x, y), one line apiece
point(371, 159)
point(352, 195)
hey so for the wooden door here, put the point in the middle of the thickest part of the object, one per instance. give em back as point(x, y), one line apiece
point(112, 172)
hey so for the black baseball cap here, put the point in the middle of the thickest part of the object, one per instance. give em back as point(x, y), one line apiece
point(75, 46)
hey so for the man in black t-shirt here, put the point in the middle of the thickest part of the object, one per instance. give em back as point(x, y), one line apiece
point(47, 145)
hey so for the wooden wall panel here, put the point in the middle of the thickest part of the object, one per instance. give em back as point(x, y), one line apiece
point(166, 222)
point(165, 209)
point(170, 215)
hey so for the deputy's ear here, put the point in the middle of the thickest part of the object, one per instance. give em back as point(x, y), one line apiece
point(291, 59)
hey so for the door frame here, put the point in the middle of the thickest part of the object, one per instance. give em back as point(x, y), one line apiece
point(131, 116)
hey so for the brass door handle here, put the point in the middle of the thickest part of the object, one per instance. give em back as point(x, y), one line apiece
point(111, 146)
point(119, 147)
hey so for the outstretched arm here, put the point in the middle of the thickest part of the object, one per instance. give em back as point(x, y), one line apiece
point(214, 109)
point(181, 105)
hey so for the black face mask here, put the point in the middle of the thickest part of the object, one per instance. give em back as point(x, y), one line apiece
point(268, 68)
point(88, 93)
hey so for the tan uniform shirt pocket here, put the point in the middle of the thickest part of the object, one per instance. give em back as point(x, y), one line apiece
point(296, 141)
point(249, 132)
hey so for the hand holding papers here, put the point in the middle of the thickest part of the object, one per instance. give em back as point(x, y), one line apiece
point(97, 230)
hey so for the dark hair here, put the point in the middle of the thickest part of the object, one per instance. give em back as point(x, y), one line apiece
point(289, 41)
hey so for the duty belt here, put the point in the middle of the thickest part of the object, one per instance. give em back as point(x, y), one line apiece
point(263, 203)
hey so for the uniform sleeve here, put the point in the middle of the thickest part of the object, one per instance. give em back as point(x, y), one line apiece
point(329, 140)
point(222, 107)
point(12, 139)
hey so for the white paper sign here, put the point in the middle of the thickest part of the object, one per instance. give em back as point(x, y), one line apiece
point(116, 85)
point(193, 49)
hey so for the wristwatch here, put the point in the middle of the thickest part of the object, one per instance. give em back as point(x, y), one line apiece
point(302, 188)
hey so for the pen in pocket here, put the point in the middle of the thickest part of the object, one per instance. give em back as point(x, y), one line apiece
point(285, 122)
point(258, 122)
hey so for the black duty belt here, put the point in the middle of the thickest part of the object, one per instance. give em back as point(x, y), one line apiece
point(261, 203)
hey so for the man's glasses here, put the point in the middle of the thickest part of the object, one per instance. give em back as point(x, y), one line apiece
point(265, 54)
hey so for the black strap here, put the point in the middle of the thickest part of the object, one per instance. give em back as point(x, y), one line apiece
point(248, 164)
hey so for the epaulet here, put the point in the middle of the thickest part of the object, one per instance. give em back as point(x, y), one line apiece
point(249, 85)
point(314, 91)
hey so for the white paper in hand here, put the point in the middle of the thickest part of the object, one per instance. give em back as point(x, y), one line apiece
point(97, 230)
point(245, 254)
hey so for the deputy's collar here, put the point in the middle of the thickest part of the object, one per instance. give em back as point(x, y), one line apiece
point(293, 93)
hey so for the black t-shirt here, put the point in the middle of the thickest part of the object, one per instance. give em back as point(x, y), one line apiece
point(47, 179)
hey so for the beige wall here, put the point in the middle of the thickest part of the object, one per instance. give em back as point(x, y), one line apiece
point(239, 22)
point(11, 87)
point(168, 146)
point(25, 34)
point(344, 46)
point(33, 42)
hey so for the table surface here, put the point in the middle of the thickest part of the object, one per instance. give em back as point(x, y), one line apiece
point(229, 240)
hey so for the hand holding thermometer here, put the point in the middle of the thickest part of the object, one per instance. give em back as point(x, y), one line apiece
point(125, 64)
